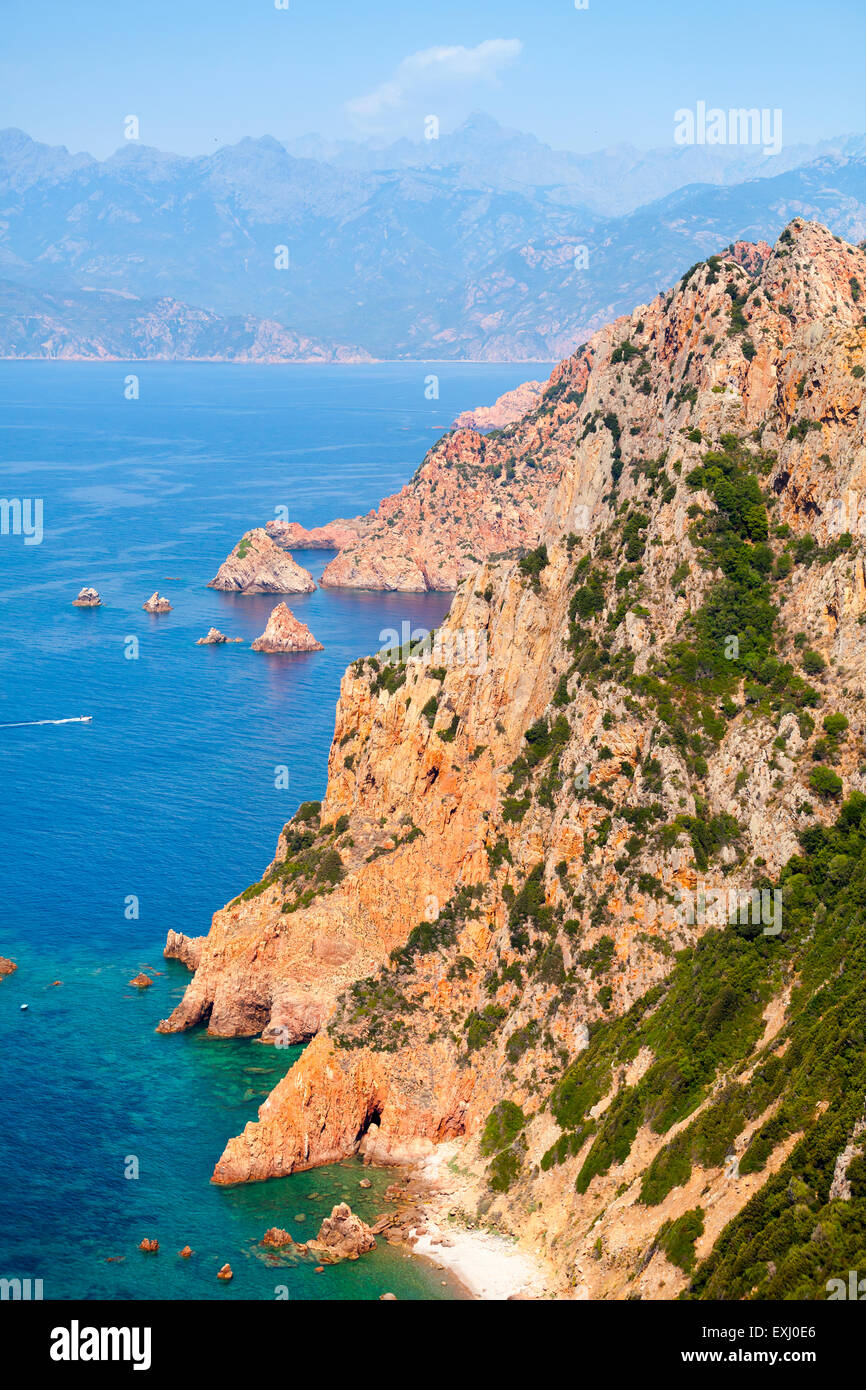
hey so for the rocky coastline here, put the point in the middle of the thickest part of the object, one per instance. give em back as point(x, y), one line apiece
point(487, 894)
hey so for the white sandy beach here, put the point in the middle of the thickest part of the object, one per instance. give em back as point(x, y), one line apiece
point(490, 1266)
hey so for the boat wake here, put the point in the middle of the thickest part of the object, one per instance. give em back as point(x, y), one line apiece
point(32, 723)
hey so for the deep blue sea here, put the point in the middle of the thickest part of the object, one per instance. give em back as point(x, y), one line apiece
point(169, 796)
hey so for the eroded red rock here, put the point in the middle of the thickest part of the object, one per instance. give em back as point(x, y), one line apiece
point(286, 633)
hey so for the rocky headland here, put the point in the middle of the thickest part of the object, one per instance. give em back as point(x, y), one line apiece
point(497, 928)
point(286, 633)
point(474, 497)
point(186, 949)
point(505, 411)
point(257, 565)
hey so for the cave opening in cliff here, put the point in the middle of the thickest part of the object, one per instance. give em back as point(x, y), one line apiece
point(373, 1117)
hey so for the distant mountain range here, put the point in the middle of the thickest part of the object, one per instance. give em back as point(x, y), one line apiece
point(484, 244)
point(610, 182)
point(110, 324)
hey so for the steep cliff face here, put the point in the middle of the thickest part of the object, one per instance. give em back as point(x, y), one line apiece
point(536, 910)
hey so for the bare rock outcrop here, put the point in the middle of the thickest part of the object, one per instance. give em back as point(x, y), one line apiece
point(87, 598)
point(469, 499)
point(505, 411)
point(332, 536)
point(157, 603)
point(343, 1235)
point(215, 638)
point(276, 1238)
point(7, 967)
point(286, 633)
point(257, 565)
point(186, 949)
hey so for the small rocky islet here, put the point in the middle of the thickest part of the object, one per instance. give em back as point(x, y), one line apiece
point(215, 638)
point(157, 604)
point(286, 633)
point(87, 598)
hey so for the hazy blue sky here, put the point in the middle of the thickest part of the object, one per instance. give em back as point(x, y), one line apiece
point(202, 73)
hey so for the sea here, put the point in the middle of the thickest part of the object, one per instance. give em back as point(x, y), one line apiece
point(170, 801)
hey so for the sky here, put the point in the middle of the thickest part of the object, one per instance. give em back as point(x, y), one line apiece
point(199, 74)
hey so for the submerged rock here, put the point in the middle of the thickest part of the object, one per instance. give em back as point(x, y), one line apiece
point(285, 633)
point(87, 598)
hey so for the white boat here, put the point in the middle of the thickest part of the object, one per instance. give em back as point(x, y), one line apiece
point(32, 723)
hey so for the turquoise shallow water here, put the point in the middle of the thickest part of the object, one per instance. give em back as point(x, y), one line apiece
point(169, 796)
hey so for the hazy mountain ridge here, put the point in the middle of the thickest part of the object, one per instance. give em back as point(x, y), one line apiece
point(420, 260)
point(111, 325)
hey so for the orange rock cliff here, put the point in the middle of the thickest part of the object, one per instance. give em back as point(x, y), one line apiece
point(479, 886)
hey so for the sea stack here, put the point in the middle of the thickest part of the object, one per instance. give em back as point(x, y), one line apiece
point(284, 633)
point(157, 604)
point(257, 565)
point(343, 1235)
point(88, 598)
point(215, 638)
